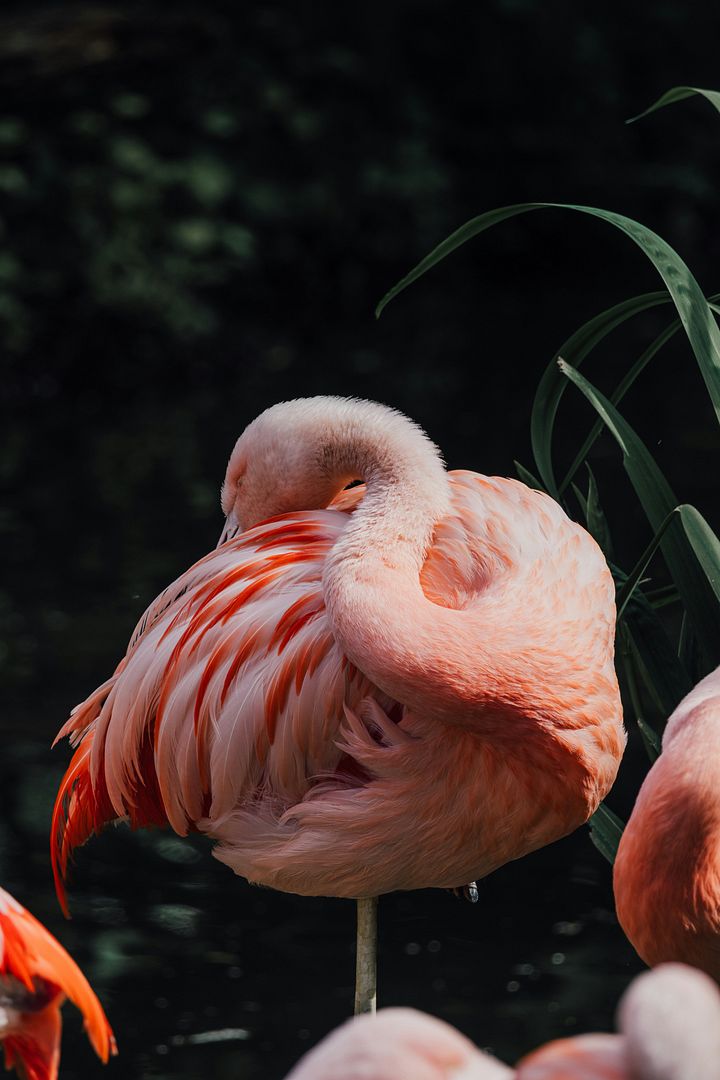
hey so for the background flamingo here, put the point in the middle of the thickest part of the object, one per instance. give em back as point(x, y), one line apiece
point(397, 1044)
point(36, 975)
point(669, 1022)
point(667, 870)
point(406, 689)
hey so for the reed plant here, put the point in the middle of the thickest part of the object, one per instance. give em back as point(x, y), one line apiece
point(668, 635)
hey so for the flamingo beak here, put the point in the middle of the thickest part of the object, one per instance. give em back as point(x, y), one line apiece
point(230, 530)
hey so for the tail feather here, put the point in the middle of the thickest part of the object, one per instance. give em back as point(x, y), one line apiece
point(36, 975)
point(83, 808)
point(79, 812)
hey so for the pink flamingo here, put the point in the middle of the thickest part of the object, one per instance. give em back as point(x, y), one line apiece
point(397, 1044)
point(669, 1022)
point(667, 870)
point(36, 975)
point(393, 687)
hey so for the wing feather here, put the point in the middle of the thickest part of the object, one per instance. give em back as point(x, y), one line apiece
point(232, 687)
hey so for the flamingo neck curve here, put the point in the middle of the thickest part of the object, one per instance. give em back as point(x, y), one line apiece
point(493, 667)
point(380, 614)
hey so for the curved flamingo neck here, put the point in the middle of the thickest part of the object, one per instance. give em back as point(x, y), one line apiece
point(380, 614)
point(372, 575)
point(407, 493)
point(471, 667)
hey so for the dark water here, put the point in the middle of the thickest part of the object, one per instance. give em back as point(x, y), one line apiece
point(202, 974)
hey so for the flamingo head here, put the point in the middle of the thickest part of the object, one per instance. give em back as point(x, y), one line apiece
point(285, 460)
point(300, 454)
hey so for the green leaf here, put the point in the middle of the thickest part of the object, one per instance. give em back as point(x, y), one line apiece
point(606, 828)
point(697, 582)
point(617, 396)
point(574, 350)
point(640, 662)
point(704, 543)
point(631, 582)
point(692, 307)
point(596, 521)
point(662, 672)
point(684, 650)
point(582, 501)
point(662, 595)
point(451, 243)
point(653, 742)
point(702, 540)
point(552, 385)
point(624, 385)
point(527, 477)
point(631, 669)
point(678, 93)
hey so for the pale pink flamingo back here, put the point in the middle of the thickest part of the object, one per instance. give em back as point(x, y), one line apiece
point(397, 687)
point(670, 1018)
point(397, 1044)
point(669, 1022)
point(667, 870)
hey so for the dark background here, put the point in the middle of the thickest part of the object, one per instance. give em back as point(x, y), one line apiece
point(200, 206)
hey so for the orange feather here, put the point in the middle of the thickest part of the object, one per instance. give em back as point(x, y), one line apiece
point(36, 975)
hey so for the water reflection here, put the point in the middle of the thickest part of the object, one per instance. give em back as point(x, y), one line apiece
point(202, 974)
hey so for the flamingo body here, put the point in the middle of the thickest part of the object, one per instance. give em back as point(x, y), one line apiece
point(669, 1021)
point(667, 870)
point(585, 1057)
point(397, 1044)
point(36, 975)
point(394, 687)
point(669, 1029)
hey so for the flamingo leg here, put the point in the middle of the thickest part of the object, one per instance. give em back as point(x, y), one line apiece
point(366, 956)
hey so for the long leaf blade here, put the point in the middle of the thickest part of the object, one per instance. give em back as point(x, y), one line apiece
point(618, 394)
point(606, 828)
point(664, 674)
point(678, 93)
point(642, 663)
point(575, 350)
point(597, 523)
point(704, 543)
point(658, 501)
point(451, 243)
point(552, 385)
point(693, 309)
point(528, 477)
point(627, 589)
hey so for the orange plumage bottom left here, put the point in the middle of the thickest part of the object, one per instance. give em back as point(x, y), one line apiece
point(36, 975)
